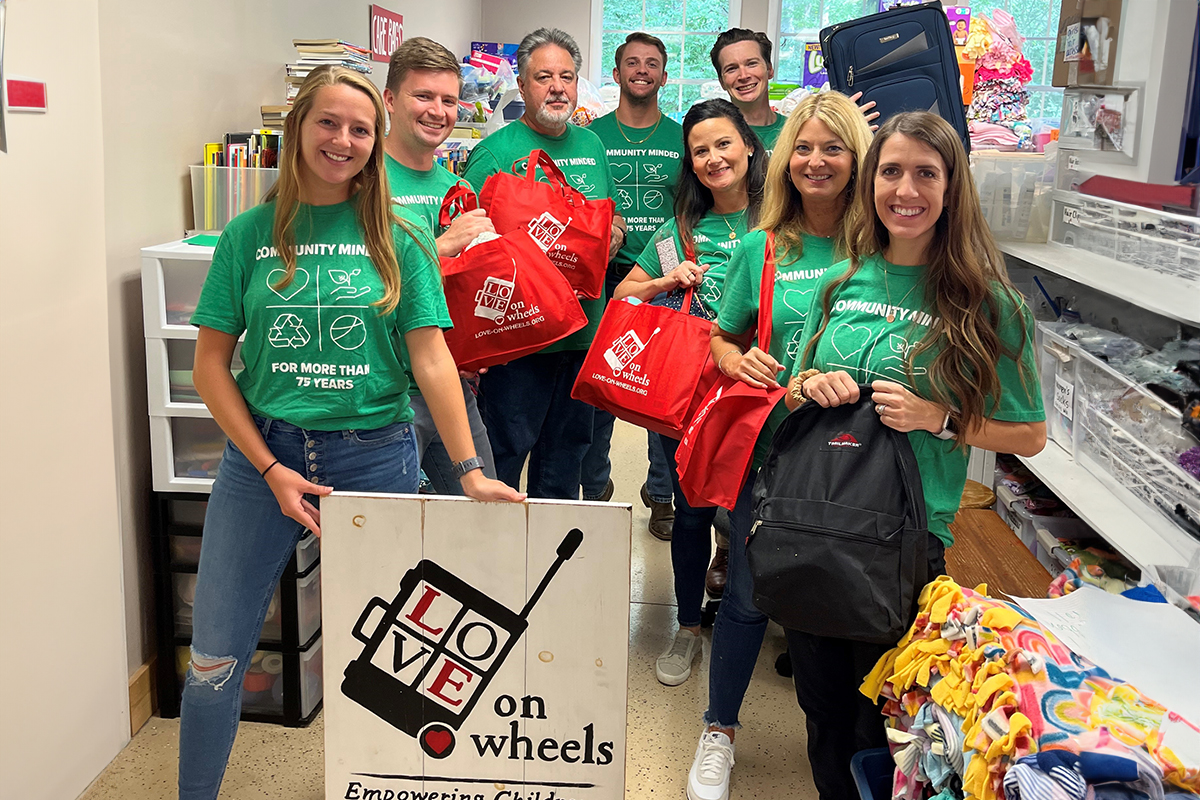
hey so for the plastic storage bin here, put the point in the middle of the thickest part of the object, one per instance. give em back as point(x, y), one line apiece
point(185, 551)
point(1014, 192)
point(221, 193)
point(307, 605)
point(1070, 172)
point(181, 358)
point(197, 444)
point(265, 685)
point(1155, 240)
point(872, 771)
point(1056, 354)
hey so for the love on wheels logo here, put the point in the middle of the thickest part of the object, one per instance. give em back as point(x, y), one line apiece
point(546, 229)
point(493, 300)
point(436, 648)
point(625, 349)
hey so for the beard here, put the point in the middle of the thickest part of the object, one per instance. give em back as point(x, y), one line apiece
point(628, 96)
point(552, 119)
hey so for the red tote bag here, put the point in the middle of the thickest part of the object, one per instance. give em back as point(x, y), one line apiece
point(505, 297)
point(716, 450)
point(648, 365)
point(573, 231)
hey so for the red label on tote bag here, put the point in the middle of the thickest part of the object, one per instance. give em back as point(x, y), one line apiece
point(717, 448)
point(574, 232)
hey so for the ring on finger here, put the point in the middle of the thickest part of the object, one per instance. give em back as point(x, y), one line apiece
point(879, 409)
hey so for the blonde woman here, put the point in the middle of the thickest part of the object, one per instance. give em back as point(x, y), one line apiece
point(946, 344)
point(810, 207)
point(325, 281)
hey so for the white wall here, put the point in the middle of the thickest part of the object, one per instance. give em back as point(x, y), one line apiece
point(174, 76)
point(510, 20)
point(63, 680)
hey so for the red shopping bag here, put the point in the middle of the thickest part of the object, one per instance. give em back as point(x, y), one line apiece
point(572, 230)
point(715, 452)
point(647, 365)
point(505, 298)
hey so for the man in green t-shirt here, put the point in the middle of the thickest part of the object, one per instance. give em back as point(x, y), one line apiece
point(644, 149)
point(742, 59)
point(423, 82)
point(527, 403)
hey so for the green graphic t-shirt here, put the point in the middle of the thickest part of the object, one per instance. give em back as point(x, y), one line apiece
point(714, 248)
point(794, 284)
point(645, 164)
point(420, 191)
point(860, 340)
point(318, 355)
point(579, 154)
point(769, 134)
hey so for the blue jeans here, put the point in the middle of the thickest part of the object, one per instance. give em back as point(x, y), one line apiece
point(691, 545)
point(660, 477)
point(246, 545)
point(596, 469)
point(530, 414)
point(738, 632)
point(431, 453)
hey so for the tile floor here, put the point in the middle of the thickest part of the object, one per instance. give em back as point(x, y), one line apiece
point(270, 761)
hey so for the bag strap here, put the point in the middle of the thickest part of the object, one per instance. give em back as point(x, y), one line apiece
point(689, 254)
point(766, 295)
point(460, 199)
point(554, 175)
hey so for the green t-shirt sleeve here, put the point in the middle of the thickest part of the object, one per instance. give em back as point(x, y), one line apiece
point(739, 299)
point(1020, 395)
point(481, 165)
point(422, 301)
point(220, 306)
point(649, 260)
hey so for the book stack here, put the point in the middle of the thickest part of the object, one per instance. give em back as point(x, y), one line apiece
point(274, 116)
point(251, 149)
point(315, 53)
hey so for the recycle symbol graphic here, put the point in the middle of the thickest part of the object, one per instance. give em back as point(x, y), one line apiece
point(288, 331)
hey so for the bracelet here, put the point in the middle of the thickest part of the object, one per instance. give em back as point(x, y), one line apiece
point(268, 469)
point(721, 360)
point(797, 390)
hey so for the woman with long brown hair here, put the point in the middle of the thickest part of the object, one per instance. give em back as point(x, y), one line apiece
point(924, 313)
point(326, 282)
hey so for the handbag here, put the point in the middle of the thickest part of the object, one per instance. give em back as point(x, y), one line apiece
point(716, 450)
point(506, 299)
point(648, 365)
point(839, 542)
point(573, 231)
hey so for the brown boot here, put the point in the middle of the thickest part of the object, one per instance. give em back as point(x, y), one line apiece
point(662, 517)
point(718, 571)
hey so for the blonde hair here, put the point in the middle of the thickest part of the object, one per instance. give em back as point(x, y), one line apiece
point(783, 204)
point(964, 279)
point(373, 203)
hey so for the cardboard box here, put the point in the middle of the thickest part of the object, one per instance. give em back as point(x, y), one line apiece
point(1086, 51)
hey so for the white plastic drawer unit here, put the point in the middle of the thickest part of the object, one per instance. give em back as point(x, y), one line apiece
point(263, 684)
point(185, 551)
point(185, 453)
point(1153, 240)
point(172, 277)
point(1014, 193)
point(169, 387)
point(308, 607)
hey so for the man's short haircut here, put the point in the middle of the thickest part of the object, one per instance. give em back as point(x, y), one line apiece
point(542, 37)
point(639, 37)
point(420, 53)
point(735, 35)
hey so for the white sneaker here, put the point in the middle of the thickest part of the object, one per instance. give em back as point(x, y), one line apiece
point(709, 776)
point(674, 666)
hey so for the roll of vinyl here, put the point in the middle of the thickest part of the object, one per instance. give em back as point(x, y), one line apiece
point(272, 663)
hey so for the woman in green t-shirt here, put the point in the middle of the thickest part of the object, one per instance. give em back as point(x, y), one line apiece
point(923, 313)
point(716, 202)
point(324, 281)
point(810, 207)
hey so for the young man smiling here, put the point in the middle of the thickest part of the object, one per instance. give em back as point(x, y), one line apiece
point(742, 59)
point(423, 82)
point(528, 407)
point(644, 147)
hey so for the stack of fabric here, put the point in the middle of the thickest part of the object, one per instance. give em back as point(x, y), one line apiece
point(983, 702)
point(1002, 72)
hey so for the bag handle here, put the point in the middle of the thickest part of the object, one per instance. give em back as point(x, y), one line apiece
point(554, 175)
point(766, 295)
point(460, 199)
point(689, 254)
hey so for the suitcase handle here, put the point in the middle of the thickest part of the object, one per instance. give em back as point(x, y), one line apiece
point(376, 602)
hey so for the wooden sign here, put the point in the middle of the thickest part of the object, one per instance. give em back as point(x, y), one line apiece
point(387, 33)
point(475, 651)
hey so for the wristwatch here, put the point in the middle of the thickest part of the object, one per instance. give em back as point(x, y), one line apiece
point(947, 431)
point(461, 468)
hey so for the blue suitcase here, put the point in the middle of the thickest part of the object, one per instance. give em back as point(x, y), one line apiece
point(902, 59)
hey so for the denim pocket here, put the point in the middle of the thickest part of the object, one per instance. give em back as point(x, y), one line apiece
point(388, 434)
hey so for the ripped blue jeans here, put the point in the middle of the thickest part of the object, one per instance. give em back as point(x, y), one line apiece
point(246, 545)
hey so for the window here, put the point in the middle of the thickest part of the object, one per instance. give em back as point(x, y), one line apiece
point(801, 21)
point(687, 28)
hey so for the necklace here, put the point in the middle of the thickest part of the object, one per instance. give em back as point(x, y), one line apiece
point(647, 136)
point(891, 315)
point(732, 232)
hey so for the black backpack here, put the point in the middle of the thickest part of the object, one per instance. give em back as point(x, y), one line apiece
point(838, 544)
